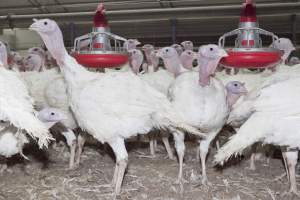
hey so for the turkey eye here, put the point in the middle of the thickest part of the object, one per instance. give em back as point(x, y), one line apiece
point(235, 84)
point(167, 50)
point(45, 23)
point(2, 121)
point(189, 53)
point(278, 41)
point(35, 49)
point(211, 49)
point(52, 113)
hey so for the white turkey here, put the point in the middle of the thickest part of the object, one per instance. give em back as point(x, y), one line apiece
point(294, 61)
point(136, 59)
point(178, 48)
point(187, 59)
point(131, 44)
point(33, 62)
point(187, 45)
point(276, 120)
point(199, 98)
point(48, 89)
point(41, 53)
point(110, 106)
point(16, 105)
point(243, 109)
point(151, 58)
point(12, 140)
point(171, 60)
point(15, 61)
point(285, 45)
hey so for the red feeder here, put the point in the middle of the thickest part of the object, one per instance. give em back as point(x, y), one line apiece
point(100, 48)
point(248, 51)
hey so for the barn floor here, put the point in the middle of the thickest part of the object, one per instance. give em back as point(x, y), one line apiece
point(146, 178)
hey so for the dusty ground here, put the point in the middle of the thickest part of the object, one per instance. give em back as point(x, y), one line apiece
point(146, 178)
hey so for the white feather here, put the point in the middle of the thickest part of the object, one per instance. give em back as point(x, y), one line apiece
point(117, 104)
point(202, 107)
point(17, 106)
point(11, 143)
point(160, 80)
point(244, 107)
point(48, 89)
point(276, 119)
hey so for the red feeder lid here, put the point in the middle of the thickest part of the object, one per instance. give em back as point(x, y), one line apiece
point(248, 13)
point(99, 17)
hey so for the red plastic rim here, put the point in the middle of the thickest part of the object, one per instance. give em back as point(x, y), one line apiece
point(251, 59)
point(101, 60)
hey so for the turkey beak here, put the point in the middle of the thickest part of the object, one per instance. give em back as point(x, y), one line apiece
point(223, 53)
point(244, 89)
point(293, 49)
point(137, 42)
point(34, 26)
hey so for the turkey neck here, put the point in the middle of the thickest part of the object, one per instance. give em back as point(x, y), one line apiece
point(147, 55)
point(187, 62)
point(232, 98)
point(73, 72)
point(49, 124)
point(43, 66)
point(207, 68)
point(173, 65)
point(286, 55)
